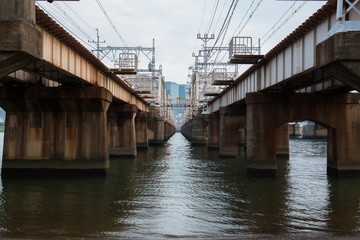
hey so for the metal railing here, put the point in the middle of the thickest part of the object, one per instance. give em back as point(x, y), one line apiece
point(128, 61)
point(242, 46)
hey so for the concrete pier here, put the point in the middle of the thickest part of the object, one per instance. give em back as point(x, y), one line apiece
point(314, 131)
point(121, 130)
point(199, 129)
point(213, 131)
point(231, 120)
point(155, 127)
point(186, 129)
point(142, 141)
point(55, 130)
point(282, 141)
point(339, 112)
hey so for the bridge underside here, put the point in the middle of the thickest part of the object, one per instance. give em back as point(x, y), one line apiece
point(57, 94)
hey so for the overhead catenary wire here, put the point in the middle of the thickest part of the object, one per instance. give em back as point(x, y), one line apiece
point(227, 27)
point(222, 10)
point(251, 15)
point(201, 21)
point(242, 20)
point(66, 27)
point(79, 17)
point(72, 21)
point(111, 23)
point(64, 20)
point(213, 16)
point(222, 29)
point(243, 26)
point(283, 23)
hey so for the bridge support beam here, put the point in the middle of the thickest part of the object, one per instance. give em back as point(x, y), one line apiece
point(156, 127)
point(121, 130)
point(231, 120)
point(142, 141)
point(340, 113)
point(55, 130)
point(199, 129)
point(213, 131)
point(339, 56)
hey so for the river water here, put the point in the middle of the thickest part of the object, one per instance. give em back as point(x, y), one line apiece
point(180, 191)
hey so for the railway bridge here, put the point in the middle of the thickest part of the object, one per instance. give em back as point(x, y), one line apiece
point(66, 112)
point(313, 74)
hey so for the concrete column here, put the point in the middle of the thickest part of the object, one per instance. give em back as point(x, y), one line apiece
point(199, 129)
point(282, 141)
point(339, 112)
point(167, 129)
point(231, 120)
point(20, 41)
point(55, 130)
point(156, 127)
point(213, 131)
point(186, 129)
point(121, 130)
point(159, 131)
point(142, 140)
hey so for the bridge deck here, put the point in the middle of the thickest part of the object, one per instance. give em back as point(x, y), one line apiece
point(65, 61)
point(290, 66)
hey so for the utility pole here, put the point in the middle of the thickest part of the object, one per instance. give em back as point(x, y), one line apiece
point(205, 38)
point(97, 50)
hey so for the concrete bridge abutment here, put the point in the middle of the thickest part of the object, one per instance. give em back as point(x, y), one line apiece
point(121, 130)
point(232, 119)
point(339, 113)
point(55, 130)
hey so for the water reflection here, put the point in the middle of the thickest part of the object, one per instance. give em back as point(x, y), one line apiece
point(185, 191)
point(344, 205)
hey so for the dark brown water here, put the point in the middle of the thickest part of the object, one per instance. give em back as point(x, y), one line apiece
point(180, 191)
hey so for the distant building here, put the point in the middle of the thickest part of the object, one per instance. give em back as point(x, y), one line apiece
point(175, 92)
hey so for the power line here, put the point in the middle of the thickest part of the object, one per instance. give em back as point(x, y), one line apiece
point(223, 25)
point(228, 24)
point(202, 17)
point(111, 23)
point(252, 3)
point(79, 17)
point(283, 23)
point(72, 21)
point(222, 10)
point(68, 29)
point(251, 15)
point(247, 21)
point(213, 16)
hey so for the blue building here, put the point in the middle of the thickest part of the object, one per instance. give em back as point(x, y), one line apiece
point(176, 91)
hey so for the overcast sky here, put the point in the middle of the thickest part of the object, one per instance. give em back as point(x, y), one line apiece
point(174, 25)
